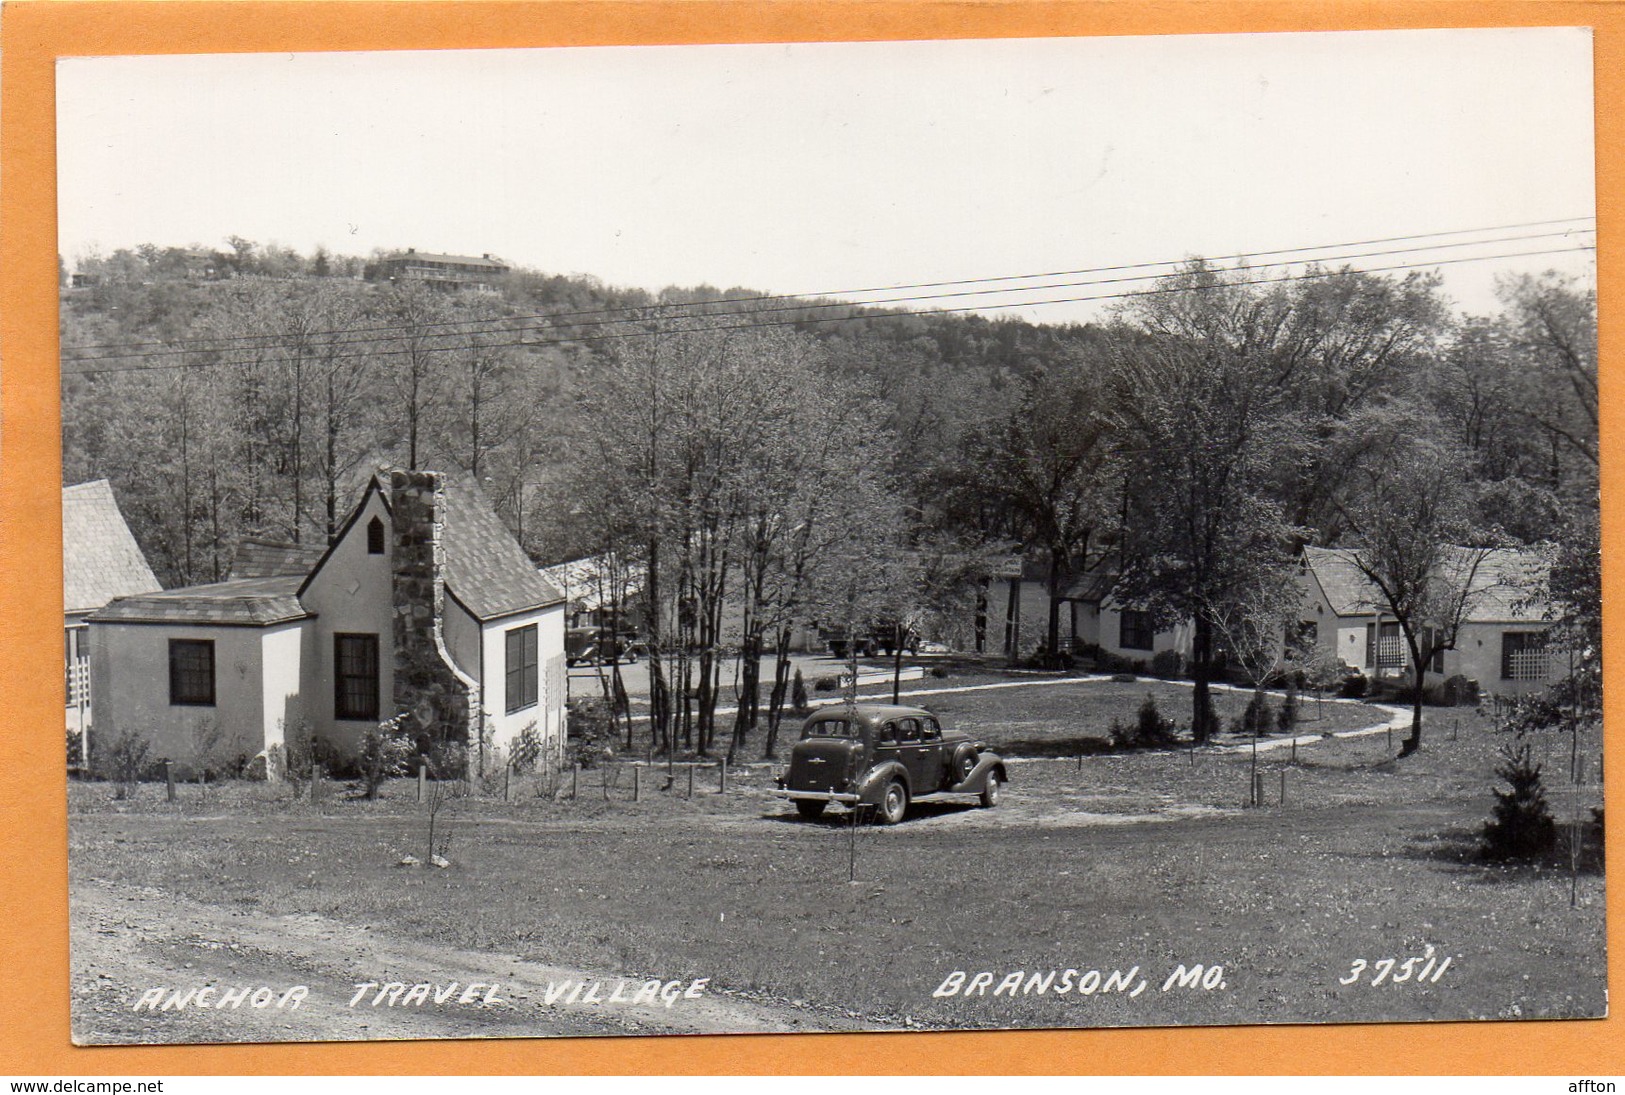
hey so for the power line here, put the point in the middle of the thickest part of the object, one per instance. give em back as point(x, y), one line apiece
point(1313, 275)
point(273, 340)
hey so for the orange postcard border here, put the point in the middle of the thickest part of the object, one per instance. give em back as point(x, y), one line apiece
point(34, 987)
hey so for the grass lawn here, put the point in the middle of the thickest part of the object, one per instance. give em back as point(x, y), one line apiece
point(1100, 863)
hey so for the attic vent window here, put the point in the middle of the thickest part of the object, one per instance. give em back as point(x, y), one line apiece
point(375, 537)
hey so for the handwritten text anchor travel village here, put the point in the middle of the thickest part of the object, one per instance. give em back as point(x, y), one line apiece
point(651, 993)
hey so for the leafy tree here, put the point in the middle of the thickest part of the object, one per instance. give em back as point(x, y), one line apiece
point(1412, 528)
point(1198, 399)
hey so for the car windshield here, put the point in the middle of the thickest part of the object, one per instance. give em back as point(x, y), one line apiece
point(832, 728)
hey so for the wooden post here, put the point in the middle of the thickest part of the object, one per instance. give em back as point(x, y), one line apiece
point(637, 782)
point(1283, 787)
point(690, 781)
point(575, 778)
point(507, 783)
point(169, 782)
point(722, 776)
point(423, 774)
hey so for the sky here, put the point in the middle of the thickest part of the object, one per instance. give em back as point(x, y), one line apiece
point(822, 168)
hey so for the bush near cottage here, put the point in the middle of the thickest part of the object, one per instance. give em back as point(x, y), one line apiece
point(382, 754)
point(124, 760)
point(1167, 664)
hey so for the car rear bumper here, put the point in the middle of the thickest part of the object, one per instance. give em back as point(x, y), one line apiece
point(819, 796)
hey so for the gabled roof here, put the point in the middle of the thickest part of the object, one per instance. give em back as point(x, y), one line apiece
point(1505, 586)
point(1347, 589)
point(1501, 590)
point(100, 558)
point(253, 602)
point(586, 582)
point(486, 569)
point(258, 558)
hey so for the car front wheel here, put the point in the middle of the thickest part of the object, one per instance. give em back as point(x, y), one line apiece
point(894, 804)
point(990, 790)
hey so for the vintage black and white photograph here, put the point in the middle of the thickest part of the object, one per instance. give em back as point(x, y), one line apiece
point(1030, 533)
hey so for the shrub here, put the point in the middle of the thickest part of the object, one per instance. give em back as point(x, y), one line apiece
point(1151, 730)
point(1258, 718)
point(124, 761)
point(76, 749)
point(1460, 691)
point(382, 754)
point(1521, 826)
point(1354, 686)
point(1286, 719)
point(939, 672)
point(592, 737)
point(798, 696)
point(1124, 678)
point(826, 684)
point(1167, 663)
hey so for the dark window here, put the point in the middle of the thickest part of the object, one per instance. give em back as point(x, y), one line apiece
point(1135, 632)
point(521, 668)
point(375, 537)
point(191, 672)
point(831, 728)
point(932, 731)
point(908, 730)
point(355, 677)
point(1523, 656)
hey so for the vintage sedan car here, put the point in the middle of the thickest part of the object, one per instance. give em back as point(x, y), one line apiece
point(884, 756)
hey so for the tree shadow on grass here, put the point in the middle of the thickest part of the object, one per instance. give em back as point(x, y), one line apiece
point(1463, 851)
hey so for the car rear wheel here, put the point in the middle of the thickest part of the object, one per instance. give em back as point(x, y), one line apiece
point(990, 790)
point(894, 803)
point(810, 808)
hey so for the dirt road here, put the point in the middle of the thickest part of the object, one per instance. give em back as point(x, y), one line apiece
point(129, 942)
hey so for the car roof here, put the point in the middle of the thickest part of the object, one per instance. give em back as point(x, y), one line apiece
point(871, 712)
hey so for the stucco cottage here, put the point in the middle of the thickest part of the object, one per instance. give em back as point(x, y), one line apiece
point(423, 606)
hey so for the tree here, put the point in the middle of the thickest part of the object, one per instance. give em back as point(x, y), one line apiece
point(1197, 393)
point(1410, 513)
point(1049, 462)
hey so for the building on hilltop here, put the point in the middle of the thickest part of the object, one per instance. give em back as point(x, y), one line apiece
point(443, 272)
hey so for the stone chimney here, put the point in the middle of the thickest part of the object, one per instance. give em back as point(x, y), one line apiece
point(440, 701)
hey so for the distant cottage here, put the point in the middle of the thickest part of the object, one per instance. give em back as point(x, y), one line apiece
point(444, 272)
point(100, 561)
point(423, 606)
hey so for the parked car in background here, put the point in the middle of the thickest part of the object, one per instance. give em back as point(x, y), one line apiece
point(600, 646)
point(885, 757)
point(881, 640)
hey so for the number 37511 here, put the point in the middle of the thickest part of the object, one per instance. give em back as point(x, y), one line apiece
point(1426, 969)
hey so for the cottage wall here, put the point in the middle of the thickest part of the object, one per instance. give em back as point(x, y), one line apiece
point(349, 594)
point(130, 676)
point(1478, 656)
point(547, 713)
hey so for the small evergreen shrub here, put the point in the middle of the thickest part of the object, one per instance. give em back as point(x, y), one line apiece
point(1151, 730)
point(826, 684)
point(1167, 664)
point(124, 761)
point(1286, 718)
point(382, 754)
point(1354, 687)
point(1258, 718)
point(798, 696)
point(1460, 691)
point(1521, 826)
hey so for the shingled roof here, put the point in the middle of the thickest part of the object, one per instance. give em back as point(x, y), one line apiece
point(1502, 589)
point(254, 602)
point(258, 558)
point(1347, 589)
point(100, 558)
point(486, 569)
